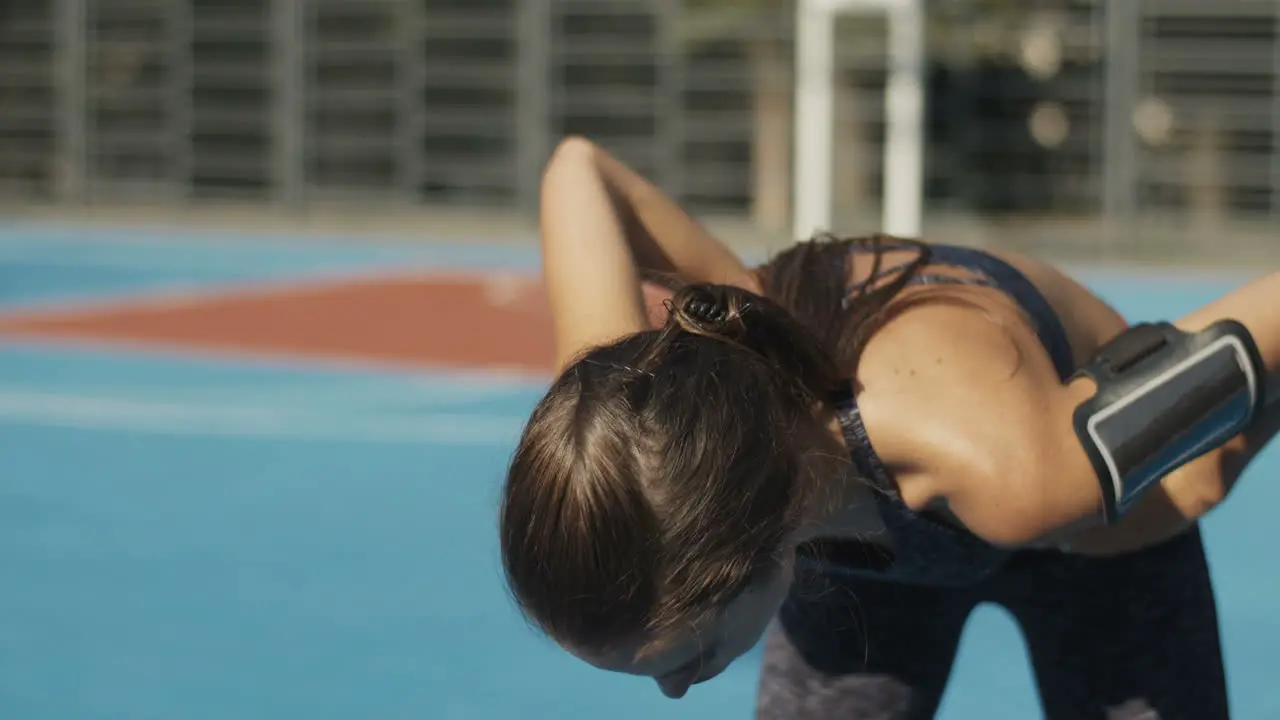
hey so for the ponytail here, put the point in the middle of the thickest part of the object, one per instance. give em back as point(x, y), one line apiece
point(759, 325)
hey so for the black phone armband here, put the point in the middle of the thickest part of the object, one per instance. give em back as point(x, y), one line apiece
point(1164, 397)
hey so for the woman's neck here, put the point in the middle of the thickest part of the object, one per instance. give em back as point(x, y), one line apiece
point(844, 504)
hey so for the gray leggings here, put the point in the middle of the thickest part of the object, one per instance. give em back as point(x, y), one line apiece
point(1133, 637)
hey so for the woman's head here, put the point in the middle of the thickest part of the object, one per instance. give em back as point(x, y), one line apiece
point(660, 477)
point(652, 506)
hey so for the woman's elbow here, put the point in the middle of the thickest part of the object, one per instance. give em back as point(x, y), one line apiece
point(1022, 517)
point(570, 167)
point(1200, 487)
point(1179, 500)
point(571, 148)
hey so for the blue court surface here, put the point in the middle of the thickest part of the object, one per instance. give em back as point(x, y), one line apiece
point(191, 540)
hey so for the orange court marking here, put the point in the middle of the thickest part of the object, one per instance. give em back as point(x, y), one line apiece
point(483, 322)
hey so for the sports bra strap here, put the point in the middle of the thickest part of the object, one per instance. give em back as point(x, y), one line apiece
point(924, 278)
point(865, 460)
point(985, 271)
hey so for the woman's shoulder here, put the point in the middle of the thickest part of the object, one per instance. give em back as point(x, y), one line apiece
point(930, 312)
point(1089, 320)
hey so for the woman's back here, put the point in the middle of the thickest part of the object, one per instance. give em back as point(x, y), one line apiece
point(1087, 319)
point(911, 537)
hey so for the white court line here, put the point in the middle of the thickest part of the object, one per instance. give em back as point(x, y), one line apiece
point(179, 250)
point(123, 256)
point(185, 419)
point(323, 391)
point(180, 237)
point(132, 261)
point(185, 294)
point(278, 359)
point(234, 267)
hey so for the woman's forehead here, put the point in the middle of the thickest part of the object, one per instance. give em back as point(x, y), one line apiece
point(657, 656)
point(650, 657)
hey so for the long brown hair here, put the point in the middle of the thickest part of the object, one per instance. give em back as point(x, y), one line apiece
point(660, 475)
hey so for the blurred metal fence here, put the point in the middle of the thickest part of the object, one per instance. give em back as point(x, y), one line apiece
point(1105, 117)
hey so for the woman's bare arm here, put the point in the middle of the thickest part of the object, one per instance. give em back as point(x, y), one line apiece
point(601, 223)
point(664, 237)
point(971, 411)
point(1204, 483)
point(593, 287)
point(1180, 499)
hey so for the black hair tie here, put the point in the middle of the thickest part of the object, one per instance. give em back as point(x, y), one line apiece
point(706, 310)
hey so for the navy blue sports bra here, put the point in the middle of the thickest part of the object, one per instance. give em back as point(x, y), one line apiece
point(927, 549)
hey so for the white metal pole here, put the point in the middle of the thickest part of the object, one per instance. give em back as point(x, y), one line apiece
point(814, 121)
point(904, 115)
